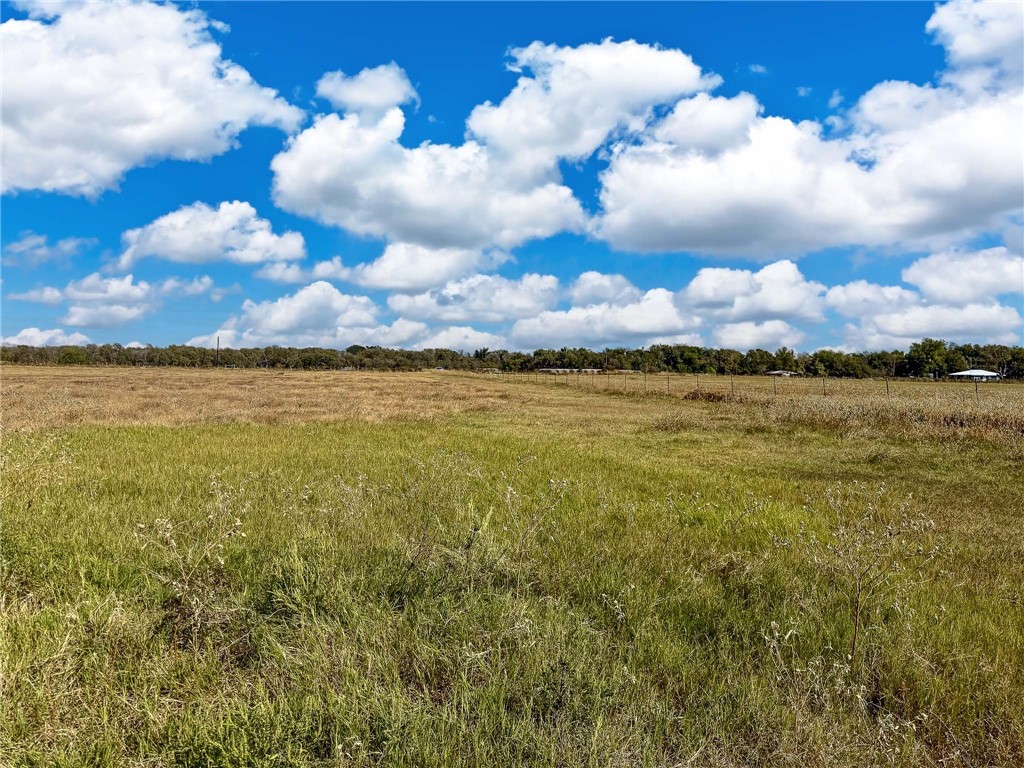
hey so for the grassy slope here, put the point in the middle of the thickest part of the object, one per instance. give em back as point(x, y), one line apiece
point(579, 578)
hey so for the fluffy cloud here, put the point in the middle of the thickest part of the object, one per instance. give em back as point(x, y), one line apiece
point(281, 272)
point(502, 186)
point(353, 173)
point(174, 286)
point(31, 250)
point(198, 233)
point(103, 302)
point(786, 189)
point(316, 315)
point(920, 162)
point(992, 323)
point(372, 92)
point(777, 290)
point(709, 124)
point(55, 337)
point(486, 298)
point(655, 314)
point(981, 35)
point(104, 315)
point(317, 307)
point(863, 299)
point(771, 334)
point(46, 295)
point(401, 267)
point(576, 97)
point(597, 288)
point(115, 290)
point(461, 338)
point(94, 89)
point(964, 278)
point(409, 267)
point(957, 301)
point(321, 315)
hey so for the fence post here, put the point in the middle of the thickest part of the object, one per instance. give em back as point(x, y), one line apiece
point(732, 386)
point(887, 388)
point(977, 397)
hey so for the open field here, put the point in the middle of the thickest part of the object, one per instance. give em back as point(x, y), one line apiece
point(229, 567)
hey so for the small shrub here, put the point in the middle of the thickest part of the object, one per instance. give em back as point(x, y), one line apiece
point(189, 559)
point(874, 546)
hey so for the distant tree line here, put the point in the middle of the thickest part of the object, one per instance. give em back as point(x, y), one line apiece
point(927, 358)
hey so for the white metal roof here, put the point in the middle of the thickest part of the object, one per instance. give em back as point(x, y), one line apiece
point(975, 372)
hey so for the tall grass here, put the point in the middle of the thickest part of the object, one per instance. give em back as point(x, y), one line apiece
point(547, 584)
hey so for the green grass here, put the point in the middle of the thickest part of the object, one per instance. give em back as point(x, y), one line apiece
point(496, 589)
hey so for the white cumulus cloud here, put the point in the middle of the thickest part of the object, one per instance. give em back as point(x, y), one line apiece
point(569, 100)
point(778, 290)
point(989, 323)
point(484, 298)
point(861, 298)
point(959, 278)
point(502, 186)
point(371, 92)
point(290, 272)
point(55, 337)
point(353, 173)
point(593, 287)
point(104, 315)
point(411, 267)
point(199, 233)
point(921, 163)
point(94, 89)
point(317, 315)
point(654, 315)
point(461, 338)
point(103, 302)
point(32, 250)
point(770, 334)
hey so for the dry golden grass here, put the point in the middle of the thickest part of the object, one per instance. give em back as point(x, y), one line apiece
point(34, 397)
point(49, 397)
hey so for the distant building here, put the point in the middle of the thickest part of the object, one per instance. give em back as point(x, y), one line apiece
point(975, 374)
point(787, 374)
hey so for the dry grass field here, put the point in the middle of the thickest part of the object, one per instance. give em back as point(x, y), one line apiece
point(234, 568)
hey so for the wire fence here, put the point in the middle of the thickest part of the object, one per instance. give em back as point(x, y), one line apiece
point(761, 387)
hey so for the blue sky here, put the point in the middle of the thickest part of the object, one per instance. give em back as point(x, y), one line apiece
point(513, 175)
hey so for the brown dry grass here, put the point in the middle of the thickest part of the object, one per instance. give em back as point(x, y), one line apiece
point(35, 397)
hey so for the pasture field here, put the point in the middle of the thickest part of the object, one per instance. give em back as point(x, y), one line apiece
point(262, 568)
